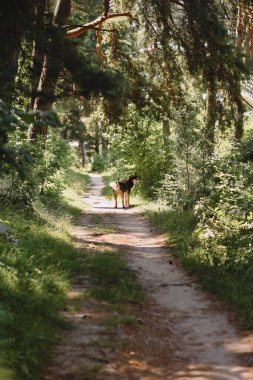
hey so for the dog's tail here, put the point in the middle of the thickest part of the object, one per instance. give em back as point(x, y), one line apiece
point(114, 185)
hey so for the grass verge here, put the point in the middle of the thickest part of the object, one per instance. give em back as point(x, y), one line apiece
point(233, 286)
point(113, 280)
point(107, 191)
point(34, 277)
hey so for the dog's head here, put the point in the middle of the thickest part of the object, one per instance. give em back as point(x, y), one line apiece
point(136, 179)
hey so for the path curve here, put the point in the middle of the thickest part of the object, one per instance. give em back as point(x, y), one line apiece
point(207, 345)
point(184, 333)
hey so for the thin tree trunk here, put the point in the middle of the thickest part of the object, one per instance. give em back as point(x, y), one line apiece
point(211, 115)
point(239, 24)
point(104, 142)
point(83, 152)
point(239, 117)
point(10, 45)
point(187, 170)
point(37, 53)
point(97, 143)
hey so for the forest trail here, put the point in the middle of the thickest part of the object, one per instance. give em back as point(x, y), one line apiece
point(182, 332)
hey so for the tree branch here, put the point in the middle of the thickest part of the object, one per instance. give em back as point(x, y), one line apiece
point(97, 22)
point(93, 28)
point(178, 2)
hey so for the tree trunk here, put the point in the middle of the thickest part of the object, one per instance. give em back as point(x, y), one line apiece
point(51, 68)
point(83, 152)
point(104, 142)
point(10, 44)
point(97, 143)
point(37, 53)
point(211, 116)
point(239, 117)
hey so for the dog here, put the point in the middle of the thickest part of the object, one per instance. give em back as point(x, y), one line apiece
point(123, 188)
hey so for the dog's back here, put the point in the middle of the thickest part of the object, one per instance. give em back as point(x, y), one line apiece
point(124, 188)
point(125, 184)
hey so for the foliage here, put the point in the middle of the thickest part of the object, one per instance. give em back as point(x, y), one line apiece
point(138, 146)
point(179, 225)
point(225, 216)
point(195, 39)
point(188, 176)
point(35, 276)
point(29, 170)
point(12, 156)
point(98, 163)
point(232, 283)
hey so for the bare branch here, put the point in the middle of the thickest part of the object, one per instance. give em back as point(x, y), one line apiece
point(97, 22)
point(94, 28)
point(178, 2)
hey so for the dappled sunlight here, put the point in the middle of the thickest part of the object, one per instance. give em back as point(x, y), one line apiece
point(181, 335)
point(201, 372)
point(207, 346)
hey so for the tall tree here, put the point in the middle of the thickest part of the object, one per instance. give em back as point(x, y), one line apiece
point(193, 33)
point(55, 56)
point(15, 18)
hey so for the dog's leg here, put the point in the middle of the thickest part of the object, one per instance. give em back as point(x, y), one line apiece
point(127, 199)
point(115, 198)
point(123, 196)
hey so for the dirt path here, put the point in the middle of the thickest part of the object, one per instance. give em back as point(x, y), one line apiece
point(182, 332)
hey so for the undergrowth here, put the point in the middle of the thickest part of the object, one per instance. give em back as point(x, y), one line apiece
point(34, 277)
point(230, 284)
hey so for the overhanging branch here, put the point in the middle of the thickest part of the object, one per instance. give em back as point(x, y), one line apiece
point(94, 28)
point(97, 22)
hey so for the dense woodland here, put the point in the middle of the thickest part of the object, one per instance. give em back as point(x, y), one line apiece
point(152, 87)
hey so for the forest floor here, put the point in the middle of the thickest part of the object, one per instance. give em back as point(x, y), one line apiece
point(179, 332)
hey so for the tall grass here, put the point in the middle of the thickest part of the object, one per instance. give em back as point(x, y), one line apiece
point(34, 277)
point(233, 286)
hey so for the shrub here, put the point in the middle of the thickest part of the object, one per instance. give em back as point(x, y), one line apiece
point(226, 216)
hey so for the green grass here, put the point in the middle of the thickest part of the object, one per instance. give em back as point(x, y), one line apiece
point(127, 320)
point(36, 274)
point(34, 278)
point(233, 286)
point(107, 179)
point(90, 373)
point(115, 283)
point(107, 191)
point(78, 180)
point(100, 226)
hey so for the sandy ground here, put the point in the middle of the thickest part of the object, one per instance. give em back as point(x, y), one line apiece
point(181, 332)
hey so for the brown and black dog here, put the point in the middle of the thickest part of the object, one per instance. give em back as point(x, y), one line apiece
point(124, 188)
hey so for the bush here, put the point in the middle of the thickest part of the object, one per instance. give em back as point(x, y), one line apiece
point(98, 164)
point(139, 147)
point(226, 216)
point(28, 170)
